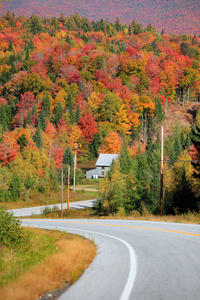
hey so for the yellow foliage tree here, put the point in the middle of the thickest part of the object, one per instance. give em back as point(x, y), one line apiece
point(112, 143)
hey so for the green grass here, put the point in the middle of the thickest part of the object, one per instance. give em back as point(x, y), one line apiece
point(52, 260)
point(16, 260)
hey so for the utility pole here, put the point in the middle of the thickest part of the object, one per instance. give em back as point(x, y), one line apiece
point(68, 187)
point(75, 165)
point(62, 195)
point(161, 174)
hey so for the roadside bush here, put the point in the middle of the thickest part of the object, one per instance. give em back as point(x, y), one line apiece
point(46, 210)
point(11, 234)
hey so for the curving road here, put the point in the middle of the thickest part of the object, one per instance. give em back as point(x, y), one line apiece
point(37, 210)
point(136, 259)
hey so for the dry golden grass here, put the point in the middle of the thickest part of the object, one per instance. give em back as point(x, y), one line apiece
point(73, 255)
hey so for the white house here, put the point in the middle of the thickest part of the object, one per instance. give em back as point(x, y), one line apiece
point(103, 164)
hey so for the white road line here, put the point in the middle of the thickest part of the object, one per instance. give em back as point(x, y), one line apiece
point(133, 258)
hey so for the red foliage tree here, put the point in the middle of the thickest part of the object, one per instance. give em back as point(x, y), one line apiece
point(88, 126)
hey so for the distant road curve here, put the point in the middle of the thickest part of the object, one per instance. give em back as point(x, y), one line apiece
point(37, 210)
point(136, 259)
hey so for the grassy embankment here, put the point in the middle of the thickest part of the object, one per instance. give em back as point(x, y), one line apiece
point(38, 199)
point(47, 262)
point(88, 213)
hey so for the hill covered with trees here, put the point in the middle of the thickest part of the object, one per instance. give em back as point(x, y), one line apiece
point(174, 16)
point(103, 87)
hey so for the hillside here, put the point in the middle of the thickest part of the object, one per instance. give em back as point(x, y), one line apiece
point(69, 86)
point(174, 16)
point(182, 115)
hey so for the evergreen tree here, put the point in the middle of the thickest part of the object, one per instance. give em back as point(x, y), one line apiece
point(10, 46)
point(21, 120)
point(22, 142)
point(46, 104)
point(13, 69)
point(172, 156)
point(34, 112)
point(182, 139)
point(37, 138)
point(27, 54)
point(188, 141)
point(78, 114)
point(58, 112)
point(71, 108)
point(158, 110)
point(157, 145)
point(42, 120)
point(67, 39)
point(36, 25)
point(15, 187)
point(94, 146)
point(3, 118)
point(143, 175)
point(5, 76)
point(132, 200)
point(129, 30)
point(30, 45)
point(149, 147)
point(29, 119)
point(68, 157)
point(125, 158)
point(183, 198)
point(177, 148)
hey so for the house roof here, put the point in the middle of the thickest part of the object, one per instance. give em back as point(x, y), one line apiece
point(105, 160)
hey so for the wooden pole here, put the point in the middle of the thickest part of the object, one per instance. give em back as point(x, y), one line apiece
point(62, 195)
point(161, 174)
point(68, 187)
point(75, 165)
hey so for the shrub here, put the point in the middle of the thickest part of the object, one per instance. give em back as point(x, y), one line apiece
point(11, 234)
point(46, 210)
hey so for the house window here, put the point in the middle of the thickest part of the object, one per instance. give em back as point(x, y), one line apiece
point(102, 173)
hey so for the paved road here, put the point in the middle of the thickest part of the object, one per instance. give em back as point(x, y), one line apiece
point(37, 210)
point(136, 260)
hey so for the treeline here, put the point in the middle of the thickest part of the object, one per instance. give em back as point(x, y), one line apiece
point(67, 82)
point(134, 184)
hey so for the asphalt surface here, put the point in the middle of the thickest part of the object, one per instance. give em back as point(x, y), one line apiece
point(37, 210)
point(136, 259)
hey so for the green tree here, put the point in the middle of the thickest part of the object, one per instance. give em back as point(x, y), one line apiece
point(10, 46)
point(149, 147)
point(68, 158)
point(132, 200)
point(36, 25)
point(183, 198)
point(70, 108)
point(42, 120)
point(37, 138)
point(158, 114)
point(13, 69)
point(177, 147)
point(22, 142)
point(109, 108)
point(46, 104)
point(125, 158)
point(21, 120)
point(58, 112)
point(15, 187)
point(78, 114)
point(112, 191)
point(34, 112)
point(94, 145)
point(29, 119)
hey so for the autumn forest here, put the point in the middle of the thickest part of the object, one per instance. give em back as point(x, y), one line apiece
point(103, 87)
